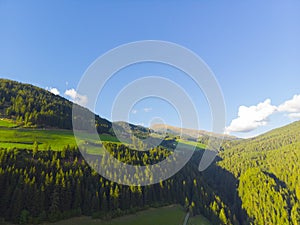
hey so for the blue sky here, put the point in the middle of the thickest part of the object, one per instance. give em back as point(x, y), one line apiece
point(252, 47)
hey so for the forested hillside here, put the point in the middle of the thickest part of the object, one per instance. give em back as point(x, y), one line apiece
point(35, 107)
point(267, 169)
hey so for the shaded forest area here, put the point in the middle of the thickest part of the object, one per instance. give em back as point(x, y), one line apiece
point(49, 186)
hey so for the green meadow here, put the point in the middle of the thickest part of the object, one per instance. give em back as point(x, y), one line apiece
point(46, 139)
point(13, 135)
point(7, 123)
point(171, 215)
point(193, 143)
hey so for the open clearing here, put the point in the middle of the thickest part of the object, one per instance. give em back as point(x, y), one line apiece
point(172, 215)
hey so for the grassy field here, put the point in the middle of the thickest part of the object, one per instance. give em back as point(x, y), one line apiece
point(7, 123)
point(169, 215)
point(53, 139)
point(193, 143)
point(24, 138)
point(12, 136)
point(198, 220)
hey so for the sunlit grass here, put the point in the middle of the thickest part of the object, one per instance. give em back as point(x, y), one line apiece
point(57, 140)
point(7, 123)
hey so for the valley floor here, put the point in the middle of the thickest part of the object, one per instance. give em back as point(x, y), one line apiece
point(172, 215)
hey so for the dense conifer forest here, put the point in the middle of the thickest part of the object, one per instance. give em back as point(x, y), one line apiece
point(48, 186)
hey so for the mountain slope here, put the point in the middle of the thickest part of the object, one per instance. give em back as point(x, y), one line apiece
point(191, 134)
point(267, 169)
point(35, 106)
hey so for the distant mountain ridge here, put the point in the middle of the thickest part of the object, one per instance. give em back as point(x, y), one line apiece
point(188, 133)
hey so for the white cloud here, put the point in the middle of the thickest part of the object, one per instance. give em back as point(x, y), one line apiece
point(77, 98)
point(291, 106)
point(147, 109)
point(250, 118)
point(134, 111)
point(53, 90)
point(71, 93)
